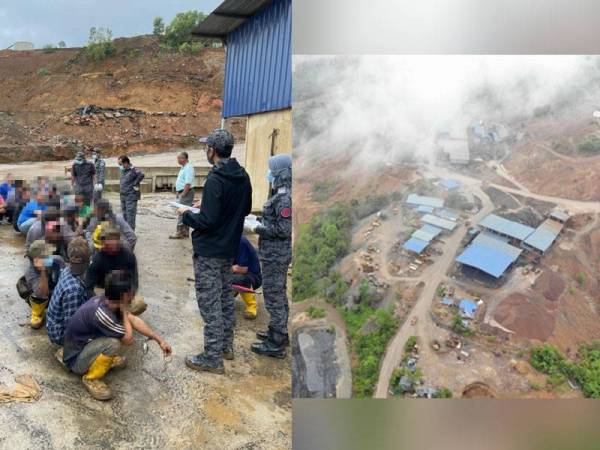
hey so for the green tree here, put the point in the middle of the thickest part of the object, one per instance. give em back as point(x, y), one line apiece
point(180, 29)
point(62, 44)
point(158, 26)
point(100, 44)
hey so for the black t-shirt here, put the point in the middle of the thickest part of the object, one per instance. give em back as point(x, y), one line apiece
point(103, 264)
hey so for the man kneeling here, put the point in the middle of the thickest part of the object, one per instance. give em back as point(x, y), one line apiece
point(99, 328)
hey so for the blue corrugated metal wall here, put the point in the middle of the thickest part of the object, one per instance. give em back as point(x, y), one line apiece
point(258, 70)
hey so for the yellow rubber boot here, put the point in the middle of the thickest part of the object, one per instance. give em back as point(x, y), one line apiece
point(38, 313)
point(92, 379)
point(250, 301)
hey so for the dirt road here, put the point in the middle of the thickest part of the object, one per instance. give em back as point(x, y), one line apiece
point(247, 408)
point(431, 276)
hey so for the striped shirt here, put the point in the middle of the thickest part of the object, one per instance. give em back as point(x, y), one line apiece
point(92, 320)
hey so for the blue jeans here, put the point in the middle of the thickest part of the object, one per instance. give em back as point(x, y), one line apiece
point(25, 226)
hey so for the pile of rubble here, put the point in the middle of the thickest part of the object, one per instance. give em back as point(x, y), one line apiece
point(96, 115)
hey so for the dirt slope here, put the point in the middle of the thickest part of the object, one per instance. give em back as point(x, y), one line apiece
point(175, 98)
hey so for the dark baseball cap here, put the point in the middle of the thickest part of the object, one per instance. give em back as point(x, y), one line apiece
point(79, 256)
point(220, 139)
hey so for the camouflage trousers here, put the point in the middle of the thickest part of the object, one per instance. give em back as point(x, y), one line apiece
point(215, 300)
point(129, 210)
point(275, 257)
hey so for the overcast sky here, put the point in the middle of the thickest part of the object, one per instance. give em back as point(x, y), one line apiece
point(51, 21)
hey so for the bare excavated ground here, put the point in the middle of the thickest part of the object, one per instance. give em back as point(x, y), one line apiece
point(148, 99)
point(247, 408)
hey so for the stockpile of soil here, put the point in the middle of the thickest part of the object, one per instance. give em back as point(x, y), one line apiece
point(526, 315)
point(551, 285)
point(478, 389)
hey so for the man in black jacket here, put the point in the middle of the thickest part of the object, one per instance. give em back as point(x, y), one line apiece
point(226, 201)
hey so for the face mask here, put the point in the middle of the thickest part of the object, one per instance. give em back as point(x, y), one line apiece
point(122, 169)
point(270, 177)
point(94, 158)
point(48, 261)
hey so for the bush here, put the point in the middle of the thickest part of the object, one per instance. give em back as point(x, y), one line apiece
point(179, 31)
point(48, 48)
point(100, 44)
point(459, 327)
point(580, 277)
point(315, 313)
point(62, 44)
point(43, 72)
point(443, 393)
point(368, 348)
point(587, 372)
point(591, 144)
point(547, 359)
point(158, 26)
point(410, 344)
point(321, 242)
point(335, 288)
point(190, 48)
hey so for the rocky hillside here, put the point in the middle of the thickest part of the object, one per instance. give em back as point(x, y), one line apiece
point(142, 99)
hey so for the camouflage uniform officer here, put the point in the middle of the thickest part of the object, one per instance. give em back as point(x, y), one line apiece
point(275, 253)
point(100, 166)
point(226, 201)
point(129, 186)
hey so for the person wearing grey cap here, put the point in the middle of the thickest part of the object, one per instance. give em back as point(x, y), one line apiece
point(83, 177)
point(41, 278)
point(275, 253)
point(226, 201)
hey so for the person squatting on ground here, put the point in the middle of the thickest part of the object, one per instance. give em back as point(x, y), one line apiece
point(83, 176)
point(113, 256)
point(69, 293)
point(131, 177)
point(53, 229)
point(217, 229)
point(96, 333)
point(247, 274)
point(100, 166)
point(31, 211)
point(7, 189)
point(103, 214)
point(40, 279)
point(185, 192)
point(275, 253)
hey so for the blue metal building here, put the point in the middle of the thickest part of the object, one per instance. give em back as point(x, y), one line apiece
point(258, 79)
point(258, 67)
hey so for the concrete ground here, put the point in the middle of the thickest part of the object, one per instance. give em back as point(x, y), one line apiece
point(247, 408)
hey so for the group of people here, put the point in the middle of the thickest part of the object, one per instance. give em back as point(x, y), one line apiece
point(82, 275)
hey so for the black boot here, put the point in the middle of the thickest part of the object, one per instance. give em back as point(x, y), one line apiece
point(269, 348)
point(263, 335)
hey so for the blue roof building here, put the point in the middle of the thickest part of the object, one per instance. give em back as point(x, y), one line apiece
point(426, 233)
point(415, 245)
point(438, 222)
point(506, 227)
point(421, 200)
point(467, 308)
point(544, 235)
